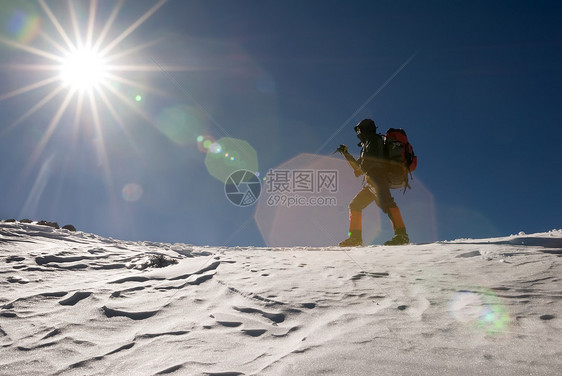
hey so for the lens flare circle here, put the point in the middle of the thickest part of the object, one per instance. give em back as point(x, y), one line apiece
point(231, 154)
point(215, 148)
point(204, 143)
point(305, 203)
point(132, 192)
point(483, 310)
point(24, 26)
point(181, 124)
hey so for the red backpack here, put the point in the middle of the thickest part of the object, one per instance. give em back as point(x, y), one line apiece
point(398, 149)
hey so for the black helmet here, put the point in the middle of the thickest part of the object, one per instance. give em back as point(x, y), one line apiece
point(366, 126)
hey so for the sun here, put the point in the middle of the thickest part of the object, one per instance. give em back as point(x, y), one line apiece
point(83, 69)
point(83, 66)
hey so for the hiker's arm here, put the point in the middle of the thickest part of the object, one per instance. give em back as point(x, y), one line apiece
point(352, 162)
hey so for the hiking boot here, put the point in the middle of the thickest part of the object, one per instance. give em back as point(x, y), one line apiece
point(352, 241)
point(400, 238)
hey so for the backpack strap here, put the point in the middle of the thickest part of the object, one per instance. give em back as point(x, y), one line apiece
point(407, 180)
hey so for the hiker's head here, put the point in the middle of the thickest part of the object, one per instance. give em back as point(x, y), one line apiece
point(365, 128)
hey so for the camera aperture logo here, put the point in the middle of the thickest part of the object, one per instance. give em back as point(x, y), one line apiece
point(242, 188)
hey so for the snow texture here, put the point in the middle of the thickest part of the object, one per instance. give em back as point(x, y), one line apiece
point(74, 303)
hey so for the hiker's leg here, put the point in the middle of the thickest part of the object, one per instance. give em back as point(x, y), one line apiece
point(396, 219)
point(356, 206)
point(387, 204)
point(363, 199)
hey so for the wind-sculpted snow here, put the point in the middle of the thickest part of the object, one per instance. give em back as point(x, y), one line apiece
point(74, 304)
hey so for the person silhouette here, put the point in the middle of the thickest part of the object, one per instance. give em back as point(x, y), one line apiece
point(380, 173)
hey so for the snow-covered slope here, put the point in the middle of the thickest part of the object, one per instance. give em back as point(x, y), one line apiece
point(73, 303)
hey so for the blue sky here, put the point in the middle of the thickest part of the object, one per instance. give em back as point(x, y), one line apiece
point(476, 84)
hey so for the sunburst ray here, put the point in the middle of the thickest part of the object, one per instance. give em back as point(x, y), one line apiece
point(130, 104)
point(132, 28)
point(108, 24)
point(48, 133)
point(33, 109)
point(30, 87)
point(31, 50)
point(57, 25)
point(113, 112)
point(74, 20)
point(102, 153)
point(91, 23)
point(52, 42)
point(132, 50)
point(131, 83)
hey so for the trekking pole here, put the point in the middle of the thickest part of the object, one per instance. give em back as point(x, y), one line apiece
point(342, 149)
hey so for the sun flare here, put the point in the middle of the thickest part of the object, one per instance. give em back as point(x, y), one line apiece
point(85, 65)
point(83, 69)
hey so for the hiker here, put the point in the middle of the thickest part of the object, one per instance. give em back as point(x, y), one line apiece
point(381, 175)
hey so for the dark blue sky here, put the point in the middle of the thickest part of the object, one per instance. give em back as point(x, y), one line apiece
point(480, 100)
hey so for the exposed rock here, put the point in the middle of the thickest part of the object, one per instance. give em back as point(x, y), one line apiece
point(50, 224)
point(69, 228)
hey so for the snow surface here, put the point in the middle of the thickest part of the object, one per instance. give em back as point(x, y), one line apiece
point(73, 303)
